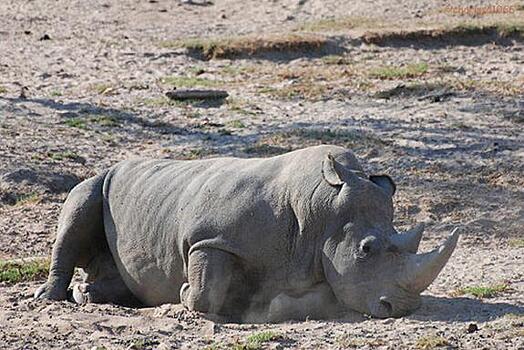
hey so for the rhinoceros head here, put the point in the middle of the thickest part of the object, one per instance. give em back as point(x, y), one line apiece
point(370, 266)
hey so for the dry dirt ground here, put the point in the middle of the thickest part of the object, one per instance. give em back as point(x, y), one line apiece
point(82, 86)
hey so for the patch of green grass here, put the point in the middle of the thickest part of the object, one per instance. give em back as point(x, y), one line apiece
point(231, 47)
point(428, 342)
point(104, 120)
point(482, 292)
point(103, 88)
point(55, 93)
point(237, 124)
point(28, 198)
point(392, 72)
point(143, 344)
point(263, 337)
point(21, 271)
point(3, 90)
point(79, 123)
point(508, 29)
point(189, 82)
point(517, 243)
point(59, 156)
point(256, 341)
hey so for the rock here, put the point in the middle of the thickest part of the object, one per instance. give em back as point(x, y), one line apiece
point(45, 37)
point(209, 328)
point(472, 328)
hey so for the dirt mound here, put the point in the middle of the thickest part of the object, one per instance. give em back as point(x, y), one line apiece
point(21, 183)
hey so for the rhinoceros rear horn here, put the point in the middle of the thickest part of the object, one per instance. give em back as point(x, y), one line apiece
point(422, 269)
point(409, 240)
point(335, 174)
point(330, 172)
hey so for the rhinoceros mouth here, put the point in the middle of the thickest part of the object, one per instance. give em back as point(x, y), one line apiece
point(398, 305)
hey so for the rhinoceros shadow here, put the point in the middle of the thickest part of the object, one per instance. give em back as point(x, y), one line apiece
point(462, 309)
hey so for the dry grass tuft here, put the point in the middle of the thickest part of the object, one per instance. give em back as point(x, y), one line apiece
point(413, 70)
point(428, 342)
point(232, 47)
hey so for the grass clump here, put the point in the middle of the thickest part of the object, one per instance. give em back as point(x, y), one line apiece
point(16, 271)
point(104, 120)
point(143, 344)
point(483, 292)
point(231, 47)
point(517, 243)
point(3, 89)
point(392, 72)
point(103, 89)
point(79, 123)
point(256, 341)
point(28, 198)
point(101, 120)
point(428, 342)
point(237, 124)
point(262, 337)
point(59, 156)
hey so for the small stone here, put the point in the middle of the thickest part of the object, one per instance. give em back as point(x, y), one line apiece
point(472, 328)
point(45, 37)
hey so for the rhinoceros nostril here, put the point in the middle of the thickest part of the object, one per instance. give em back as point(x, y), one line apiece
point(386, 304)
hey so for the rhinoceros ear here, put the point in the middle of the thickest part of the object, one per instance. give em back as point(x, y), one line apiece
point(385, 182)
point(330, 172)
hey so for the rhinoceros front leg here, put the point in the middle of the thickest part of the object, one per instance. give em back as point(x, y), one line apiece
point(210, 276)
point(317, 303)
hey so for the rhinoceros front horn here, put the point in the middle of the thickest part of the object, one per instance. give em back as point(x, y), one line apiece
point(409, 240)
point(422, 269)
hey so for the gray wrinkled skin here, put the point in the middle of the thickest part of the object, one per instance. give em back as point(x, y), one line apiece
point(303, 234)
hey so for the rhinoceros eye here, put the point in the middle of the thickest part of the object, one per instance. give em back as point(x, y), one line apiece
point(367, 246)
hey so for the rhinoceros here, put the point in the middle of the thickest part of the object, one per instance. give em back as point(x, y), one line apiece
point(306, 233)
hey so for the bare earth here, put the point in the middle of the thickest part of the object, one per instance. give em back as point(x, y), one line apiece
point(450, 134)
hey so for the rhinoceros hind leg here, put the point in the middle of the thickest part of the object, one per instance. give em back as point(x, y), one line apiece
point(79, 238)
point(216, 283)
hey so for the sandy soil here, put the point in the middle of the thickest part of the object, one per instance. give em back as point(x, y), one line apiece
point(94, 94)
